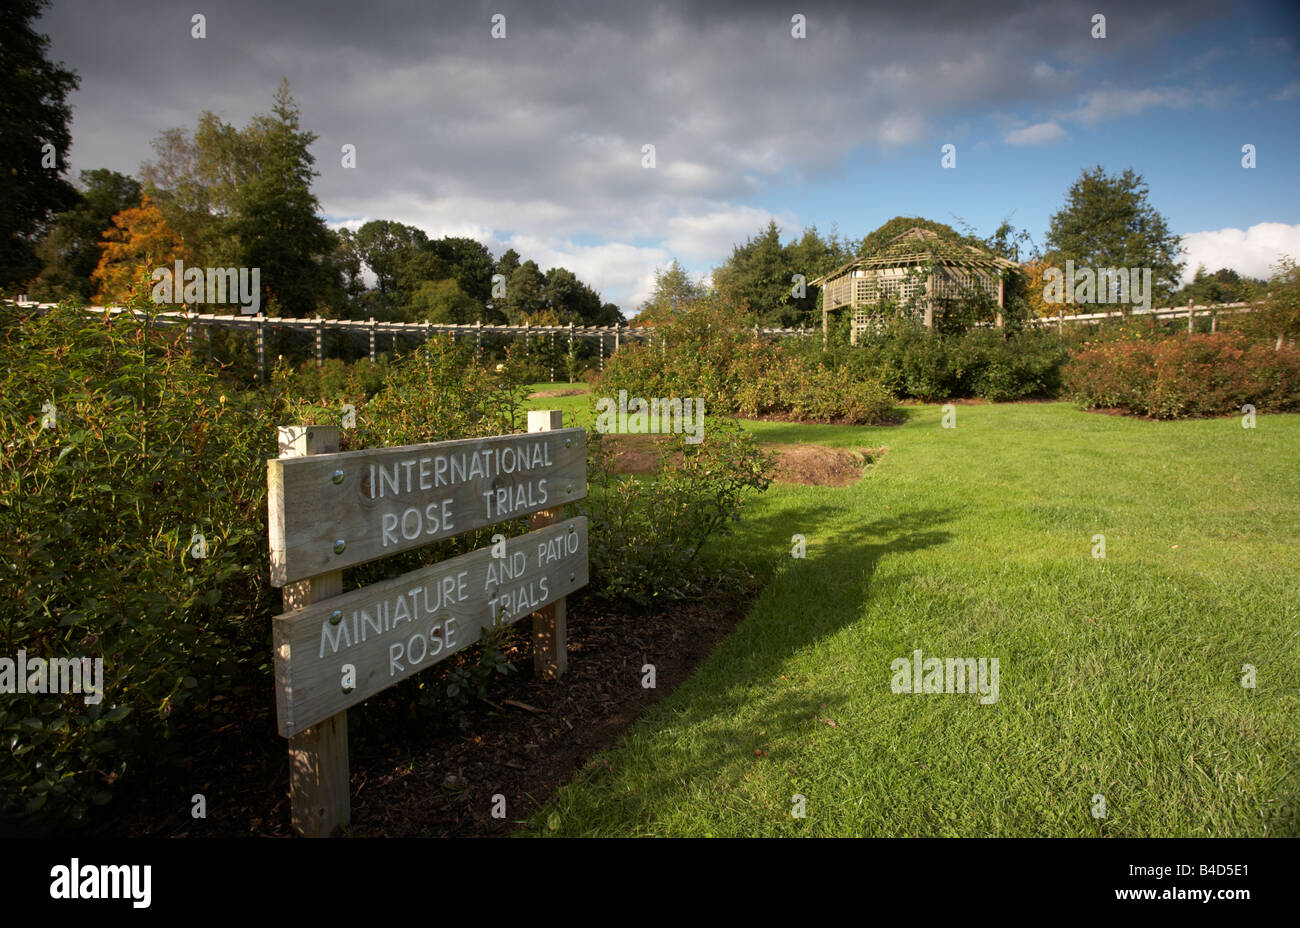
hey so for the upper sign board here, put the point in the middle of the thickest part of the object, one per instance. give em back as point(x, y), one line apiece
point(331, 511)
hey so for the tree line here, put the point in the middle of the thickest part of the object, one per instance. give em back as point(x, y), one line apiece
point(225, 196)
point(1106, 221)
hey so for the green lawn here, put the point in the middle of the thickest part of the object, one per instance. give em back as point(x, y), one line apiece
point(1118, 677)
point(576, 409)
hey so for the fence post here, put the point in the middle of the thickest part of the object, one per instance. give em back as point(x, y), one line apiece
point(572, 358)
point(319, 784)
point(1214, 321)
point(618, 328)
point(478, 341)
point(602, 352)
point(1060, 321)
point(550, 638)
point(261, 349)
point(1190, 315)
point(373, 330)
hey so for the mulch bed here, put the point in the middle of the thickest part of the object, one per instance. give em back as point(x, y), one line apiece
point(812, 465)
point(819, 466)
point(571, 391)
point(528, 739)
point(789, 418)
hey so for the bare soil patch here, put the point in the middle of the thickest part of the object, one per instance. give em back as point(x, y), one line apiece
point(636, 454)
point(568, 391)
point(812, 465)
point(819, 466)
point(789, 417)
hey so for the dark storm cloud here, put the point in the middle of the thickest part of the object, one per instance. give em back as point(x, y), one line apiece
point(540, 134)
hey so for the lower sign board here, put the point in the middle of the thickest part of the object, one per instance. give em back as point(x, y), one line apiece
point(343, 650)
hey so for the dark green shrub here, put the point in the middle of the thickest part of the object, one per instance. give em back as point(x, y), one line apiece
point(97, 516)
point(646, 533)
point(996, 364)
point(706, 352)
point(1001, 368)
point(335, 381)
point(96, 523)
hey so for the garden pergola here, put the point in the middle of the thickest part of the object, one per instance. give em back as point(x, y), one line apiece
point(917, 268)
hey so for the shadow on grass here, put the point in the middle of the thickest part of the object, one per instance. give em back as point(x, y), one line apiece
point(695, 736)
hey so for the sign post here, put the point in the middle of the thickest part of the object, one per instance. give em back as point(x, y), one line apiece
point(331, 510)
point(319, 785)
point(550, 645)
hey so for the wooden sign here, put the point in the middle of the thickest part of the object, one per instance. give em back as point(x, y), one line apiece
point(345, 649)
point(331, 511)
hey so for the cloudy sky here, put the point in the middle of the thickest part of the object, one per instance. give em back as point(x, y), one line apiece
point(535, 141)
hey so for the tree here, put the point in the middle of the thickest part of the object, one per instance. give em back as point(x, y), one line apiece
point(34, 116)
point(70, 250)
point(347, 261)
point(755, 277)
point(445, 302)
point(571, 299)
point(386, 248)
point(1035, 272)
point(139, 242)
point(811, 256)
point(195, 181)
point(1279, 314)
point(276, 221)
point(508, 263)
point(1108, 222)
point(769, 281)
point(610, 314)
point(525, 296)
point(674, 292)
point(1223, 286)
point(470, 262)
point(874, 241)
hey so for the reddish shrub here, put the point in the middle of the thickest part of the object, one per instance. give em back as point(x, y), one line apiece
point(1185, 376)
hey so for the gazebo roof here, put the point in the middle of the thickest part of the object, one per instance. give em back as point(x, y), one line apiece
point(921, 246)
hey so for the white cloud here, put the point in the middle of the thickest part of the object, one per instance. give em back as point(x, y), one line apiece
point(900, 129)
point(1110, 103)
point(706, 237)
point(1289, 92)
point(1249, 252)
point(1042, 133)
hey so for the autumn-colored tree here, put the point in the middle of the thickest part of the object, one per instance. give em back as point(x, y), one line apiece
point(1034, 272)
point(139, 241)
